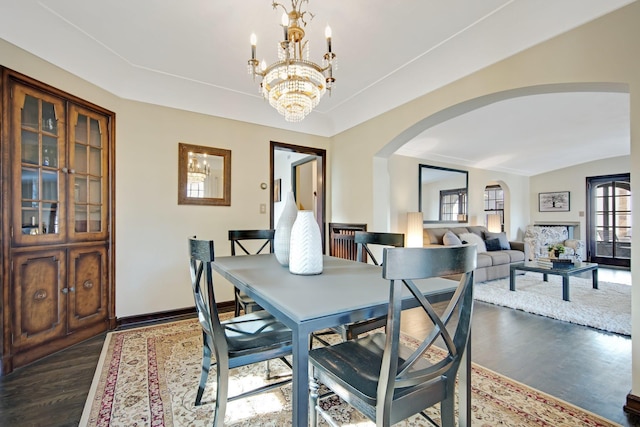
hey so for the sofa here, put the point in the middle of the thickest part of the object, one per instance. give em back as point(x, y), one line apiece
point(495, 252)
point(538, 239)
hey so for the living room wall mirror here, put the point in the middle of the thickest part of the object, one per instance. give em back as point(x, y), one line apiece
point(204, 175)
point(442, 194)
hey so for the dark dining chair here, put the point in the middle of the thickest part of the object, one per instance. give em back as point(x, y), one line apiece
point(239, 341)
point(240, 241)
point(364, 241)
point(383, 378)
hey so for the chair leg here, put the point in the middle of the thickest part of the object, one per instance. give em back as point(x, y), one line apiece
point(237, 301)
point(313, 400)
point(447, 417)
point(206, 366)
point(221, 394)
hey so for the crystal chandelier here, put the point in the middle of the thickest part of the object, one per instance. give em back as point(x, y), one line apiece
point(195, 171)
point(294, 85)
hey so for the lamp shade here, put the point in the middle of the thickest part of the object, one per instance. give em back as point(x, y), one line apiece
point(414, 230)
point(493, 223)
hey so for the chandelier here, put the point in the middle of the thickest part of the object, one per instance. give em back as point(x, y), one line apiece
point(294, 85)
point(197, 172)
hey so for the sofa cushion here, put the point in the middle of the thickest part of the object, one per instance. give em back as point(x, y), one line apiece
point(514, 255)
point(502, 238)
point(492, 244)
point(484, 260)
point(499, 258)
point(433, 236)
point(473, 238)
point(450, 239)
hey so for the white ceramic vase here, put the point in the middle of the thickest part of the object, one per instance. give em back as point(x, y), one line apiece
point(282, 235)
point(305, 256)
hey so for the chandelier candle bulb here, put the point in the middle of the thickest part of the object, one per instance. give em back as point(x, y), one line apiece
point(327, 34)
point(254, 41)
point(285, 25)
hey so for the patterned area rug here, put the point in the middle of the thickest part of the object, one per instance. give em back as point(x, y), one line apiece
point(607, 308)
point(149, 376)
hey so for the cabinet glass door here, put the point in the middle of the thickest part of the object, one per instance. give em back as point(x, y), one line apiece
point(39, 132)
point(88, 135)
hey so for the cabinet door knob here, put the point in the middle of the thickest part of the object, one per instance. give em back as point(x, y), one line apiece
point(72, 171)
point(64, 290)
point(65, 170)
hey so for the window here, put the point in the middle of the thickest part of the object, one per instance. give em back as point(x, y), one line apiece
point(453, 204)
point(494, 203)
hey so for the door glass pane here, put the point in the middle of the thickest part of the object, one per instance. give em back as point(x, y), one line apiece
point(95, 195)
point(49, 218)
point(30, 188)
point(29, 147)
point(94, 133)
point(80, 189)
point(95, 219)
point(49, 118)
point(81, 129)
point(49, 151)
point(29, 115)
point(80, 158)
point(81, 218)
point(50, 185)
point(95, 165)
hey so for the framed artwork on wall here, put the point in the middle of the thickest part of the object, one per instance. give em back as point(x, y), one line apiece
point(557, 201)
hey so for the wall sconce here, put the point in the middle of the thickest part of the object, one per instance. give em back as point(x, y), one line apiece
point(414, 230)
point(493, 223)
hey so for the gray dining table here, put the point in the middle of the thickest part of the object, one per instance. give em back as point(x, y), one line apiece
point(345, 292)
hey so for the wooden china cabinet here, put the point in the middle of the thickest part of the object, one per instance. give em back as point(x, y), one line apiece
point(57, 220)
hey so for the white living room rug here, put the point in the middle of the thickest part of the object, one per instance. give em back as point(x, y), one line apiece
point(607, 308)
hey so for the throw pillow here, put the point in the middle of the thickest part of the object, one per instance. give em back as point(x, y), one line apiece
point(502, 237)
point(492, 244)
point(473, 238)
point(450, 239)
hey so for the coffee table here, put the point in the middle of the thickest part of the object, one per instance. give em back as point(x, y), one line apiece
point(565, 272)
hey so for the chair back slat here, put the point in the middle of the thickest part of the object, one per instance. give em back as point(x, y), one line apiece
point(365, 238)
point(239, 238)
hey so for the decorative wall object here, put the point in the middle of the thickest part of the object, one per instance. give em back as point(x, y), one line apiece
point(282, 237)
point(553, 202)
point(204, 175)
point(305, 255)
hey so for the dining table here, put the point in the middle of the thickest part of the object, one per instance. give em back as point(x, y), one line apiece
point(346, 291)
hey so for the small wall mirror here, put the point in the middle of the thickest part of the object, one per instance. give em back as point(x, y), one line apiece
point(442, 194)
point(204, 175)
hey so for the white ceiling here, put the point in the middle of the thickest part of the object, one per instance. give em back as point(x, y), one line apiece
point(192, 55)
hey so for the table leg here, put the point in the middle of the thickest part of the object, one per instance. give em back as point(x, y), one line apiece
point(545, 277)
point(565, 287)
point(300, 381)
point(594, 278)
point(512, 279)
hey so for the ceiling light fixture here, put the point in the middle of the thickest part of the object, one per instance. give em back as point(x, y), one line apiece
point(195, 171)
point(294, 85)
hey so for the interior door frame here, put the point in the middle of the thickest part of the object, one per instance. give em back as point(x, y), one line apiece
point(591, 240)
point(322, 172)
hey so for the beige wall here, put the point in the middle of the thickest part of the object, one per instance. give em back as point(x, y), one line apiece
point(573, 180)
point(602, 51)
point(151, 228)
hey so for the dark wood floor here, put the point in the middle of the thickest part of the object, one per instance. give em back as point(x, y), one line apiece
point(581, 365)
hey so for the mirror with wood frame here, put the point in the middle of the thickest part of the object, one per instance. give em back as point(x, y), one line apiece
point(204, 175)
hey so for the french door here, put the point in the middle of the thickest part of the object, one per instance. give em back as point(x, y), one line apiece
point(609, 219)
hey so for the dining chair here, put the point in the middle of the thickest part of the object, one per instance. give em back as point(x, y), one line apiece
point(240, 240)
point(365, 240)
point(386, 379)
point(239, 341)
